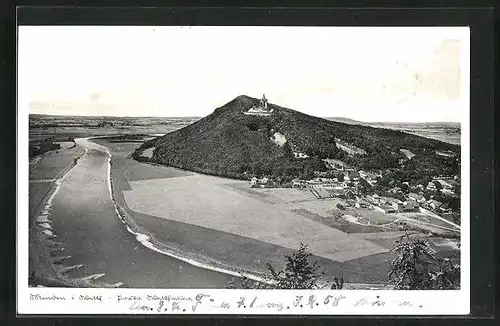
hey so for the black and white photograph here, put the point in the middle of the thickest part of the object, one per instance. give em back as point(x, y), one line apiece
point(243, 169)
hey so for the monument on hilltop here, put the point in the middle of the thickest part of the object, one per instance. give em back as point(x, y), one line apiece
point(263, 102)
point(262, 109)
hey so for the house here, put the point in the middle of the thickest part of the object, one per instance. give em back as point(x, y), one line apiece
point(434, 203)
point(431, 186)
point(445, 184)
point(350, 202)
point(446, 191)
point(393, 202)
point(354, 175)
point(444, 209)
point(350, 194)
point(394, 190)
point(388, 209)
point(370, 198)
point(416, 197)
point(296, 183)
point(397, 206)
point(412, 196)
point(361, 204)
point(337, 192)
point(410, 207)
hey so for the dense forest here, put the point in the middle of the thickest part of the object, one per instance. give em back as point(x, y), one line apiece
point(230, 143)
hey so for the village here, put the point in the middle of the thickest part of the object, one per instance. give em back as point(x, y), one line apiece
point(356, 188)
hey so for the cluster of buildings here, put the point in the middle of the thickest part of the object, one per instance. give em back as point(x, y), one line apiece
point(447, 184)
point(392, 205)
point(342, 181)
point(263, 182)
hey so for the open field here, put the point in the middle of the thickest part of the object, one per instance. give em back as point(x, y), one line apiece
point(204, 201)
point(287, 195)
point(426, 218)
point(375, 217)
point(49, 165)
point(62, 128)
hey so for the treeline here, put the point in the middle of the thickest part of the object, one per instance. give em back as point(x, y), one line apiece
point(316, 137)
point(420, 170)
point(42, 147)
point(283, 169)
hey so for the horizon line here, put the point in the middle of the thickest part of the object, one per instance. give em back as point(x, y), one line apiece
point(195, 116)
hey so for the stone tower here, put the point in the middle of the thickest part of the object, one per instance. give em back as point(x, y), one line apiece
point(263, 102)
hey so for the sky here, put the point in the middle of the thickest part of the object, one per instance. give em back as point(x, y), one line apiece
point(392, 74)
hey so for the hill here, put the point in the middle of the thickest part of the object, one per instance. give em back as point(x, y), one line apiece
point(230, 143)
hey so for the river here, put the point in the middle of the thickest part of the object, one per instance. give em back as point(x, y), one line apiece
point(86, 224)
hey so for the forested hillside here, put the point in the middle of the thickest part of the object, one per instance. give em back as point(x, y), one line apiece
point(230, 143)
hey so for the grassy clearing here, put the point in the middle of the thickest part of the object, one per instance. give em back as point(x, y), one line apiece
point(375, 217)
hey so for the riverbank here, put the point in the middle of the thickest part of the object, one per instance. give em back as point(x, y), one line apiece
point(46, 256)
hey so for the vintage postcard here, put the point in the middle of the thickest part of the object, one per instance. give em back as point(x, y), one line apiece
point(243, 170)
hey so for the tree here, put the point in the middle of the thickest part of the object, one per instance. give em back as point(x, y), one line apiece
point(287, 150)
point(416, 267)
point(308, 173)
point(448, 275)
point(298, 274)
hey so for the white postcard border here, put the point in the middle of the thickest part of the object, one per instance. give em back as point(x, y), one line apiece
point(77, 301)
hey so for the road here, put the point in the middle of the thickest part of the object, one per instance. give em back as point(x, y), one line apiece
point(96, 244)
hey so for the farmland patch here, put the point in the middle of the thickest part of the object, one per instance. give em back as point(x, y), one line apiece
point(206, 202)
